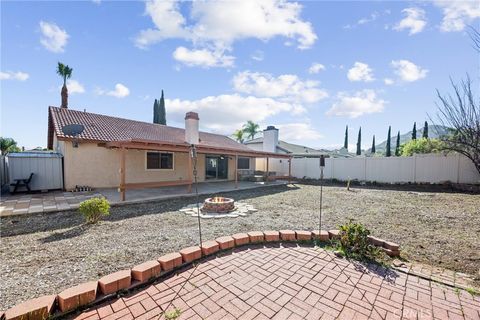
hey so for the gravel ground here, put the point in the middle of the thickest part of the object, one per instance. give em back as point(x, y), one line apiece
point(44, 254)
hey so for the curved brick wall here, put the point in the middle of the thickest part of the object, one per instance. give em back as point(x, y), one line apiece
point(93, 291)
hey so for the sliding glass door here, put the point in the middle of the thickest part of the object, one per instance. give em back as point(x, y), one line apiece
point(216, 167)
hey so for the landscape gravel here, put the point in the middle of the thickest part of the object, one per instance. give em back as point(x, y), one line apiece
point(46, 253)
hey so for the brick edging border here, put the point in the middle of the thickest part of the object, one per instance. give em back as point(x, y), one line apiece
point(94, 292)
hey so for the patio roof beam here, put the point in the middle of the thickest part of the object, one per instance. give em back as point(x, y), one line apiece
point(149, 145)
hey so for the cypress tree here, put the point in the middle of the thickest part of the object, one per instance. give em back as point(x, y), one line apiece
point(359, 142)
point(425, 130)
point(397, 147)
point(388, 152)
point(373, 145)
point(155, 111)
point(414, 131)
point(345, 144)
point(162, 114)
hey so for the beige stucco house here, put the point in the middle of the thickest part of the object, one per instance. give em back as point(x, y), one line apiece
point(116, 152)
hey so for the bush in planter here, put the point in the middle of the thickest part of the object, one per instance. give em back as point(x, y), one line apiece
point(93, 209)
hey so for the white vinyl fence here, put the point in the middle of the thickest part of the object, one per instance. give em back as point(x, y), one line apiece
point(3, 171)
point(427, 168)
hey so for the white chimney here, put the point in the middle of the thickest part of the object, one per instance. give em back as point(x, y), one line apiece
point(270, 139)
point(191, 128)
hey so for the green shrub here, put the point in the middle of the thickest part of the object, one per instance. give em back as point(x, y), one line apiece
point(93, 209)
point(420, 146)
point(353, 241)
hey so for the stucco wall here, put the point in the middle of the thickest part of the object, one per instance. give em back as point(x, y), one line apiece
point(98, 167)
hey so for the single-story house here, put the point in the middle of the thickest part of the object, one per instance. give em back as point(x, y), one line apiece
point(116, 152)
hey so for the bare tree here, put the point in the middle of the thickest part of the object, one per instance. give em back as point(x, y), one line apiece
point(461, 113)
point(475, 36)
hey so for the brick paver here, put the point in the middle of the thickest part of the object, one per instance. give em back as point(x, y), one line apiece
point(291, 283)
point(21, 204)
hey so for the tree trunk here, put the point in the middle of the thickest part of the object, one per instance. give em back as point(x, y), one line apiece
point(64, 97)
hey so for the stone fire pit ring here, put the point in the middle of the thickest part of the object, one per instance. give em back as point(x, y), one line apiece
point(218, 205)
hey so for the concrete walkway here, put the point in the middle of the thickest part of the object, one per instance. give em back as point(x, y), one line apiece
point(290, 283)
point(21, 204)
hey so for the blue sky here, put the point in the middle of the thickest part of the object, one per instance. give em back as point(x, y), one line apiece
point(309, 68)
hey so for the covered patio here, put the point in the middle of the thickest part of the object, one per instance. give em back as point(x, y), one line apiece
point(192, 156)
point(34, 203)
point(204, 188)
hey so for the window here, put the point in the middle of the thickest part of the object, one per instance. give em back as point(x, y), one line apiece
point(243, 163)
point(158, 160)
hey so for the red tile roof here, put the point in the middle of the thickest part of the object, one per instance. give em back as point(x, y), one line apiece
point(101, 128)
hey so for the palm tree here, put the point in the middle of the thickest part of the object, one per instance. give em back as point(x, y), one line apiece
point(65, 72)
point(8, 145)
point(251, 129)
point(238, 135)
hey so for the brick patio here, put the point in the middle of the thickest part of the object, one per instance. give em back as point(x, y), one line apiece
point(291, 283)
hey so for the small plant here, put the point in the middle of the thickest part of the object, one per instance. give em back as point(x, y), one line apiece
point(93, 209)
point(353, 242)
point(173, 314)
point(473, 291)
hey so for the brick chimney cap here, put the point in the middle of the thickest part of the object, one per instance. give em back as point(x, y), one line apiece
point(192, 115)
point(270, 128)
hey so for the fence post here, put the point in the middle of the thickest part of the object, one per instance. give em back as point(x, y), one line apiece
point(458, 168)
point(333, 168)
point(414, 168)
point(365, 170)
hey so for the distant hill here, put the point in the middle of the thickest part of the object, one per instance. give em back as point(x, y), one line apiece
point(434, 131)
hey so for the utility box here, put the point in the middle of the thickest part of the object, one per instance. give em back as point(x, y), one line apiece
point(47, 169)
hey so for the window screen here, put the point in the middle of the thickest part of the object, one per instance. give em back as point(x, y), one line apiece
point(243, 163)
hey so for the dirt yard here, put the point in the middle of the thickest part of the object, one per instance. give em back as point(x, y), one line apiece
point(44, 254)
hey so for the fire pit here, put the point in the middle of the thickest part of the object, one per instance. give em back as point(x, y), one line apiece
point(218, 205)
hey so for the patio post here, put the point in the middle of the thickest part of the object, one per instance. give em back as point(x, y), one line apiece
point(289, 170)
point(190, 173)
point(267, 170)
point(122, 174)
point(236, 171)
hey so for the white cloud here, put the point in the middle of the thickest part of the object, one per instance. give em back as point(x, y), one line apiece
point(408, 71)
point(53, 37)
point(388, 81)
point(9, 75)
point(366, 20)
point(414, 20)
point(286, 87)
point(369, 19)
point(258, 55)
point(360, 103)
point(74, 86)
point(223, 113)
point(121, 91)
point(316, 68)
point(218, 24)
point(457, 14)
point(360, 72)
point(299, 131)
point(203, 58)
